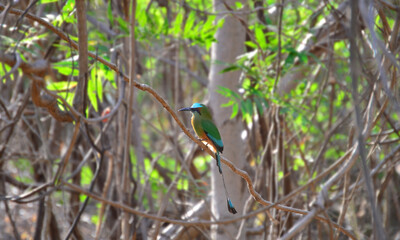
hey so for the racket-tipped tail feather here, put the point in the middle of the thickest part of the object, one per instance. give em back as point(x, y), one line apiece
point(231, 208)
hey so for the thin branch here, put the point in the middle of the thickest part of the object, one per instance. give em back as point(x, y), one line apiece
point(379, 233)
point(279, 55)
point(81, 89)
point(14, 226)
point(83, 206)
point(67, 155)
point(127, 141)
point(123, 207)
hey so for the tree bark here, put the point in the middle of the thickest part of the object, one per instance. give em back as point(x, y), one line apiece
point(230, 44)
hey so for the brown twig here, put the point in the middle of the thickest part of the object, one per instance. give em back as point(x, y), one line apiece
point(105, 191)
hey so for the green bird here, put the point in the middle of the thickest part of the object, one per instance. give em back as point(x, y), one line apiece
point(208, 133)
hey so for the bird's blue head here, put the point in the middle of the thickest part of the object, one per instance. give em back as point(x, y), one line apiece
point(197, 105)
point(197, 108)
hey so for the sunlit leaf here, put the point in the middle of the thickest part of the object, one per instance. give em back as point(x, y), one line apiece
point(259, 35)
point(183, 184)
point(47, 1)
point(94, 219)
point(189, 23)
point(228, 92)
point(235, 110)
point(298, 163)
point(92, 93)
point(178, 23)
point(238, 5)
point(61, 86)
point(251, 44)
point(123, 25)
point(86, 175)
point(280, 175)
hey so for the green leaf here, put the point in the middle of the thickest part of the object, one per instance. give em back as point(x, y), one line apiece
point(235, 110)
point(47, 1)
point(7, 69)
point(238, 5)
point(247, 84)
point(229, 69)
point(280, 175)
point(189, 24)
point(21, 55)
point(220, 22)
point(246, 110)
point(297, 163)
point(303, 57)
point(86, 175)
point(94, 219)
point(30, 40)
point(110, 76)
point(7, 41)
point(67, 67)
point(110, 15)
point(259, 105)
point(123, 25)
point(92, 93)
point(61, 86)
point(98, 74)
point(209, 24)
point(66, 13)
point(67, 71)
point(290, 59)
point(178, 24)
point(260, 37)
point(68, 96)
point(201, 162)
point(230, 103)
point(248, 106)
point(251, 44)
point(69, 6)
point(265, 102)
point(23, 165)
point(228, 92)
point(183, 184)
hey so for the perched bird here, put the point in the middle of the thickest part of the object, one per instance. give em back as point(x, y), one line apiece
point(208, 133)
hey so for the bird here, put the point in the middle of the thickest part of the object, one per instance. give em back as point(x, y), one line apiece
point(208, 133)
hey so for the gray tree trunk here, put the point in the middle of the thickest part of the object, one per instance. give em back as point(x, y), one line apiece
point(229, 45)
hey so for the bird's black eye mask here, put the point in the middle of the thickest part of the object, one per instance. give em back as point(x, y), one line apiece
point(197, 110)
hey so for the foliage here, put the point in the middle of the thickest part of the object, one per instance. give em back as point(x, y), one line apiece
point(295, 98)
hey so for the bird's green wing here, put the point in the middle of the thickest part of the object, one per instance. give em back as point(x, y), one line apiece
point(212, 133)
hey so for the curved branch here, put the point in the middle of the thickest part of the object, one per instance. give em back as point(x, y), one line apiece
point(14, 68)
point(39, 67)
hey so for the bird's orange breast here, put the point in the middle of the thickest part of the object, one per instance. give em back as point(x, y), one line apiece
point(202, 135)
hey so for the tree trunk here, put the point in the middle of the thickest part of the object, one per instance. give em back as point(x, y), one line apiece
point(230, 44)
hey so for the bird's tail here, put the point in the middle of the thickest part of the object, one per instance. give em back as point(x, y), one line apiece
point(229, 203)
point(218, 159)
point(231, 208)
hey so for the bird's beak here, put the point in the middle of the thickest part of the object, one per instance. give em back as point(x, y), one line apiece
point(185, 109)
